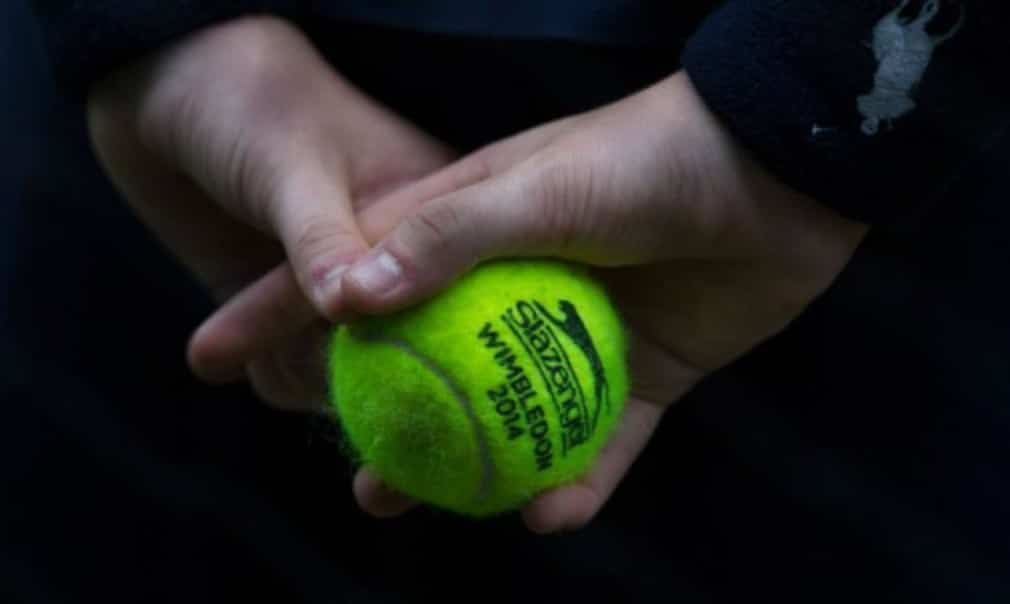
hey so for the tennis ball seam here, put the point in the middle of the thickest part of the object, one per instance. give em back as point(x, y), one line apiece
point(483, 447)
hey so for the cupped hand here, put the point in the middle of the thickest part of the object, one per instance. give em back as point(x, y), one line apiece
point(705, 253)
point(250, 159)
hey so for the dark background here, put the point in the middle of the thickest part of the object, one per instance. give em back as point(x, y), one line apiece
point(861, 456)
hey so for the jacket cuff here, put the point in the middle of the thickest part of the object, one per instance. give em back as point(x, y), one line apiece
point(871, 107)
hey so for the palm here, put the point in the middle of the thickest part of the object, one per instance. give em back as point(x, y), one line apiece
point(685, 319)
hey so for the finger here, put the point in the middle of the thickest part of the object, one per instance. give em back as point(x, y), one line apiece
point(377, 499)
point(291, 376)
point(657, 383)
point(538, 208)
point(381, 216)
point(321, 238)
point(249, 325)
point(572, 506)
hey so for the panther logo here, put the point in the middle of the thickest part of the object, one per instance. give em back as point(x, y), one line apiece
point(904, 49)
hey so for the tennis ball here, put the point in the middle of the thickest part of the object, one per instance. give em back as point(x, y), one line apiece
point(506, 383)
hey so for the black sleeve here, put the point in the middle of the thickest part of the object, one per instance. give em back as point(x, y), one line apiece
point(874, 107)
point(86, 39)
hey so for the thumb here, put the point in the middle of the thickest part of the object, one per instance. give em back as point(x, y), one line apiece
point(313, 217)
point(544, 206)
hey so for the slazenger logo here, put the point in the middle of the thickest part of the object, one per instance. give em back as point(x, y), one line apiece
point(546, 338)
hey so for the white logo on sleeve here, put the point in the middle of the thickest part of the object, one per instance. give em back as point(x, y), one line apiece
point(903, 48)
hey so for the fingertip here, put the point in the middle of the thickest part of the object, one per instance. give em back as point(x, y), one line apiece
point(331, 300)
point(207, 355)
point(336, 297)
point(560, 510)
point(252, 323)
point(538, 520)
point(377, 499)
point(327, 292)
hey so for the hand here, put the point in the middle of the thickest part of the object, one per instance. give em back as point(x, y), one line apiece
point(705, 253)
point(250, 159)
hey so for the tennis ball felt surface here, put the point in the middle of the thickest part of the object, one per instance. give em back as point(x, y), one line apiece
point(505, 384)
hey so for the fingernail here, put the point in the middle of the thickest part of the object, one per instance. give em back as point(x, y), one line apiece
point(328, 288)
point(378, 273)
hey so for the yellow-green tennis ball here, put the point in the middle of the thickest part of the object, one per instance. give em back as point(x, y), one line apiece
point(505, 384)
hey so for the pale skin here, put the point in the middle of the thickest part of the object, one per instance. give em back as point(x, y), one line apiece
point(277, 183)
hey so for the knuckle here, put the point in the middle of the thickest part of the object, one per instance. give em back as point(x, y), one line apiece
point(563, 196)
point(260, 30)
point(229, 108)
point(268, 86)
point(248, 47)
point(248, 182)
point(321, 238)
point(435, 227)
point(478, 168)
point(235, 70)
point(235, 65)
